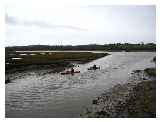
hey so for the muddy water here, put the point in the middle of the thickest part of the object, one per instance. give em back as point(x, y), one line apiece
point(43, 94)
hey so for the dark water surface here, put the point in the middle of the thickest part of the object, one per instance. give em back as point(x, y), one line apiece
point(43, 94)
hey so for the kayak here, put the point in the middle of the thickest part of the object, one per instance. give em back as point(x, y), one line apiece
point(69, 72)
point(91, 68)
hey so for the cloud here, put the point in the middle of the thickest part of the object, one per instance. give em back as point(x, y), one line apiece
point(15, 21)
point(10, 20)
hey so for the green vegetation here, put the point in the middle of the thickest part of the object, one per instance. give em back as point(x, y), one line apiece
point(105, 47)
point(54, 58)
point(151, 71)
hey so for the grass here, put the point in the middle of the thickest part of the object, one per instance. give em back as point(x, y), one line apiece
point(151, 71)
point(57, 58)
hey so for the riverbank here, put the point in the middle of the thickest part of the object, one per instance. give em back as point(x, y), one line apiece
point(41, 60)
point(135, 99)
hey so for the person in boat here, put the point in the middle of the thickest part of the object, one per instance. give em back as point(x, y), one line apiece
point(94, 66)
point(72, 70)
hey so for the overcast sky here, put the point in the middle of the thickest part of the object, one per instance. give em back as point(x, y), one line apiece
point(47, 24)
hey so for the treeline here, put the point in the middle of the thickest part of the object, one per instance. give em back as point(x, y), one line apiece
point(106, 47)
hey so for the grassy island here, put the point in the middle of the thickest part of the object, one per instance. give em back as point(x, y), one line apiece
point(18, 59)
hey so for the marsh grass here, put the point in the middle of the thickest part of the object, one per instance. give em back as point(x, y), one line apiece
point(55, 58)
point(151, 71)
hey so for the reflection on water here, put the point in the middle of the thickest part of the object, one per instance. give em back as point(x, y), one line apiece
point(43, 94)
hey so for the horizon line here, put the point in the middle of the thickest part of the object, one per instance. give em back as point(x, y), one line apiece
point(82, 44)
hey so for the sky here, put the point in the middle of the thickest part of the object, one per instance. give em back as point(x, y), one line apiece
point(46, 23)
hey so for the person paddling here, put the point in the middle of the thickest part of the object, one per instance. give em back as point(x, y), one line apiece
point(94, 66)
point(72, 70)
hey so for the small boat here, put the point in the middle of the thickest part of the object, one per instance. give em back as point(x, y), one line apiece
point(69, 72)
point(92, 68)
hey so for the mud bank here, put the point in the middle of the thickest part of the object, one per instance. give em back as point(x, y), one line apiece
point(137, 98)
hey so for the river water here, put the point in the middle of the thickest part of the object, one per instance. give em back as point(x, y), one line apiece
point(44, 94)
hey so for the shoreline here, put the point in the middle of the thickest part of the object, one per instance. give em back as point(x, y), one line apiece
point(134, 99)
